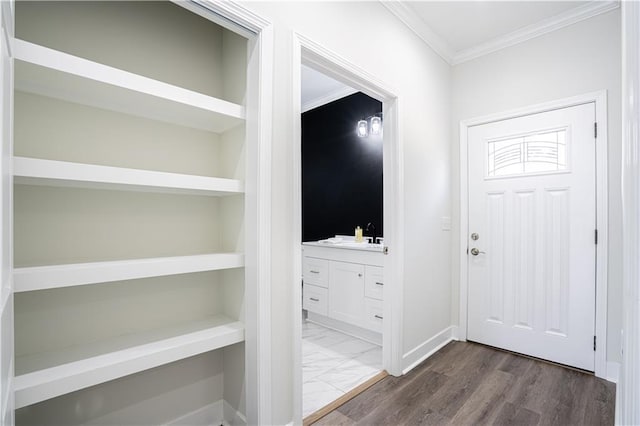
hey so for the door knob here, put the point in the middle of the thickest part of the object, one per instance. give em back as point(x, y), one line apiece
point(475, 251)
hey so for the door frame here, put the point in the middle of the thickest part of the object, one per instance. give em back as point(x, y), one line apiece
point(308, 52)
point(599, 98)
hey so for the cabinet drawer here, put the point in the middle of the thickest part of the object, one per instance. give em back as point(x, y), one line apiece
point(372, 314)
point(314, 299)
point(373, 282)
point(315, 271)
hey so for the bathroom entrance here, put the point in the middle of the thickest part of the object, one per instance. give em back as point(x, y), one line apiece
point(344, 248)
point(342, 239)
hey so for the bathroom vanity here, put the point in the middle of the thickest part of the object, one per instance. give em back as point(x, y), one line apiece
point(343, 287)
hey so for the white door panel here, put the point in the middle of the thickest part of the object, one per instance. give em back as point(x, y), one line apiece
point(532, 205)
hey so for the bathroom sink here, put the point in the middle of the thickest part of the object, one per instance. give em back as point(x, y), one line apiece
point(354, 244)
point(348, 244)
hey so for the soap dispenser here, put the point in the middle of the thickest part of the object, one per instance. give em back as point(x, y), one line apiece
point(358, 235)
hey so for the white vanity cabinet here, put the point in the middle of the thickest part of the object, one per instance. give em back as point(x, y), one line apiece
point(343, 289)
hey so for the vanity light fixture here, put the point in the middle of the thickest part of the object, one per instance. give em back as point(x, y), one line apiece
point(376, 125)
point(373, 126)
point(363, 129)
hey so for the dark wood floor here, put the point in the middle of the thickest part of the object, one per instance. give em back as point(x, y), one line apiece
point(470, 384)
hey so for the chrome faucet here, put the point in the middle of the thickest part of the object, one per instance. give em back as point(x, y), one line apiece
point(371, 228)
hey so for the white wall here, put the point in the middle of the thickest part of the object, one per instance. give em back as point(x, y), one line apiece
point(578, 59)
point(371, 38)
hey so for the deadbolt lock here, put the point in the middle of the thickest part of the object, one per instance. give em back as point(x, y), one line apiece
point(475, 236)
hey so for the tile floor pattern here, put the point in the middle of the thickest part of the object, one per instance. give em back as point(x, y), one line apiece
point(333, 363)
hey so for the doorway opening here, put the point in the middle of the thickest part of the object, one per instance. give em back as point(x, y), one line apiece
point(342, 239)
point(318, 264)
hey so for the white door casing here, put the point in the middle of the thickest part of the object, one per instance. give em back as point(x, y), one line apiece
point(533, 290)
point(6, 217)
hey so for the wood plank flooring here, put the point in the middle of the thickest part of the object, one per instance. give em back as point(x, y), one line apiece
point(470, 384)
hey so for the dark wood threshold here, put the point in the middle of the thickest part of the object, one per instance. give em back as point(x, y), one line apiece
point(314, 417)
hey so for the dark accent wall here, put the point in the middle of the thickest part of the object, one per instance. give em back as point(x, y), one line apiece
point(341, 172)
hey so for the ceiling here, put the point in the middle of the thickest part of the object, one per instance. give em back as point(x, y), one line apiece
point(318, 89)
point(463, 30)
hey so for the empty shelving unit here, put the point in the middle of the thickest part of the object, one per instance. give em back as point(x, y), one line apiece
point(129, 170)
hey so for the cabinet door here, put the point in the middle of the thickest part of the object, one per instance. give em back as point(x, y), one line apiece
point(374, 284)
point(346, 292)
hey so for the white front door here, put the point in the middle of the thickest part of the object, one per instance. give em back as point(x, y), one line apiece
point(532, 221)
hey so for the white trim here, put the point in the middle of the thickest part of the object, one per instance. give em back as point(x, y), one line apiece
point(219, 412)
point(204, 416)
point(455, 332)
point(370, 336)
point(600, 100)
point(296, 277)
point(613, 371)
point(229, 14)
point(420, 28)
point(602, 224)
point(236, 17)
point(329, 63)
point(427, 348)
point(441, 47)
point(628, 389)
point(538, 29)
point(327, 98)
point(231, 416)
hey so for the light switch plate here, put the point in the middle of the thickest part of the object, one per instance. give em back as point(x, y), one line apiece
point(445, 223)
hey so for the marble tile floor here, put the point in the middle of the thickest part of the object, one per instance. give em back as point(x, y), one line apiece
point(333, 363)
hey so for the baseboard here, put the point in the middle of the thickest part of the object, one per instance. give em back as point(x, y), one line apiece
point(232, 417)
point(217, 413)
point(613, 371)
point(206, 416)
point(426, 349)
point(455, 330)
point(343, 327)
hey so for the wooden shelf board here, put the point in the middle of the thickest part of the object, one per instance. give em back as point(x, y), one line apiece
point(59, 276)
point(44, 376)
point(51, 73)
point(33, 171)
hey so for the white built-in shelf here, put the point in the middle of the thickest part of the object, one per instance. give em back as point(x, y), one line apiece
point(52, 73)
point(58, 276)
point(33, 171)
point(44, 376)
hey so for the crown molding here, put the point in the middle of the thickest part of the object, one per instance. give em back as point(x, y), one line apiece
point(420, 28)
point(554, 23)
point(328, 98)
point(399, 9)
